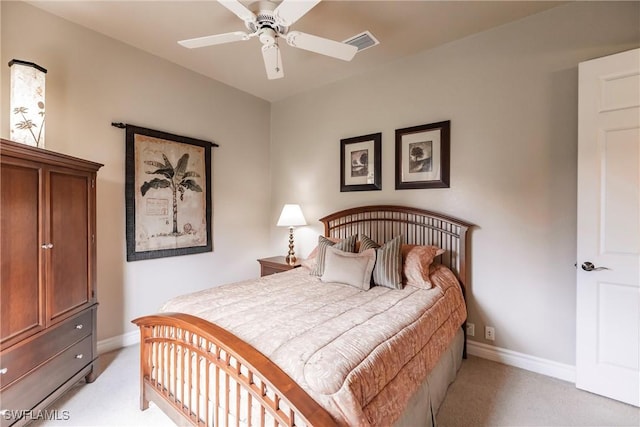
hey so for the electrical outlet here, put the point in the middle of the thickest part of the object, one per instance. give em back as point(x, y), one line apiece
point(490, 333)
point(471, 330)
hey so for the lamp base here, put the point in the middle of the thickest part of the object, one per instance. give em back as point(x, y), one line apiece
point(290, 259)
point(291, 256)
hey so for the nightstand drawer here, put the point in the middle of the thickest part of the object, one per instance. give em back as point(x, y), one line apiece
point(276, 264)
point(267, 270)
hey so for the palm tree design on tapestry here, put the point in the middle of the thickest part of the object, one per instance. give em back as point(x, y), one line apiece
point(178, 179)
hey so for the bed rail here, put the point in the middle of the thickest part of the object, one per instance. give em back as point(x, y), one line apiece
point(200, 374)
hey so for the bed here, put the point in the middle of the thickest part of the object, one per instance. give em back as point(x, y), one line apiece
point(294, 349)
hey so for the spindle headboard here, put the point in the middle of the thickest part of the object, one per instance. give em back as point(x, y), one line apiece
point(417, 226)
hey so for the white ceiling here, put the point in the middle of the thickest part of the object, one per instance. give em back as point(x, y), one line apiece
point(402, 27)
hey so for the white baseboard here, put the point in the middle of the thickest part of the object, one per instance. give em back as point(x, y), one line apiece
point(114, 343)
point(523, 361)
point(497, 354)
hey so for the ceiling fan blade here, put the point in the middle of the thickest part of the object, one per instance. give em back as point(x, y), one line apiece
point(239, 9)
point(320, 45)
point(272, 61)
point(235, 36)
point(289, 11)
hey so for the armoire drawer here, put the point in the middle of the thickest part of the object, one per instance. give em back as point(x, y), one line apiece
point(17, 360)
point(32, 389)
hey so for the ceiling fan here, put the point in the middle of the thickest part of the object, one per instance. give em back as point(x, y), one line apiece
point(270, 21)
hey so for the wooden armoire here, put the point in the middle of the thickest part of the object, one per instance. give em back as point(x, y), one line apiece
point(48, 299)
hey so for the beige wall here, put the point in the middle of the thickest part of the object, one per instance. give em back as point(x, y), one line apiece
point(511, 96)
point(94, 80)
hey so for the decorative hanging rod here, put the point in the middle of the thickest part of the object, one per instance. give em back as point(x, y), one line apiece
point(121, 125)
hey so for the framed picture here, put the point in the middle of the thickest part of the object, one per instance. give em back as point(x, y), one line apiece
point(360, 163)
point(168, 194)
point(422, 156)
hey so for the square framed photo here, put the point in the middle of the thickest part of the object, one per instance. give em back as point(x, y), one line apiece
point(167, 194)
point(360, 163)
point(422, 156)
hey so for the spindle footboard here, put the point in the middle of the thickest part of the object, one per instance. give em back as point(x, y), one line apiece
point(201, 374)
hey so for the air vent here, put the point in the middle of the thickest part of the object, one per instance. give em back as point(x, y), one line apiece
point(362, 41)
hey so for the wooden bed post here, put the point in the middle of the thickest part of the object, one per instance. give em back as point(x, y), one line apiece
point(145, 366)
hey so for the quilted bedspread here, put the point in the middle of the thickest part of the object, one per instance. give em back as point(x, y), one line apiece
point(359, 354)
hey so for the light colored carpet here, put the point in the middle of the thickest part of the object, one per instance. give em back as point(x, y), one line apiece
point(488, 394)
point(113, 399)
point(485, 394)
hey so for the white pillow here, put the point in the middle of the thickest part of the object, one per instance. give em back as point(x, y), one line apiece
point(353, 269)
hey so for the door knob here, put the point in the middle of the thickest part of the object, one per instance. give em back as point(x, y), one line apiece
point(588, 266)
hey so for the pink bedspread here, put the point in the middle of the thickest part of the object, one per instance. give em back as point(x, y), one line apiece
point(359, 354)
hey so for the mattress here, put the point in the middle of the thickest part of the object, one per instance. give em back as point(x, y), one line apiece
point(360, 354)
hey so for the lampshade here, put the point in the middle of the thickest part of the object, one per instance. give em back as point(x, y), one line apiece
point(26, 100)
point(291, 216)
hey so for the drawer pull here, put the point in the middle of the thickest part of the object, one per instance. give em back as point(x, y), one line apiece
point(4, 371)
point(79, 356)
point(79, 326)
point(47, 246)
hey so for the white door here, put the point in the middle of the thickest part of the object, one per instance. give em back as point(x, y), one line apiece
point(608, 269)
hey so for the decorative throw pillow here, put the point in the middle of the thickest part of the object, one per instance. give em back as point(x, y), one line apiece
point(347, 244)
point(417, 260)
point(311, 260)
point(366, 243)
point(388, 269)
point(353, 269)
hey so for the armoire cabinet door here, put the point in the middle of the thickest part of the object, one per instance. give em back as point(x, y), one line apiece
point(70, 231)
point(21, 289)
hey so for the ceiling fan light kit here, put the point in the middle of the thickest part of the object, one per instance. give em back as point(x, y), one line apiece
point(269, 22)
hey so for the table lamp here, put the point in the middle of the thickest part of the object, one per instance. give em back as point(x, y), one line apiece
point(291, 216)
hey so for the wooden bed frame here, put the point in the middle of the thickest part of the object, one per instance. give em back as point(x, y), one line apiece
point(183, 343)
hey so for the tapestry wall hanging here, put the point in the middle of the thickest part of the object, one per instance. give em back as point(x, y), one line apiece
point(168, 194)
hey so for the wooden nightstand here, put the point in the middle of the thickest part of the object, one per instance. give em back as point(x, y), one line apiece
point(275, 264)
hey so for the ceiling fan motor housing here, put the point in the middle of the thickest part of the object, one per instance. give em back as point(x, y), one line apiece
point(267, 36)
point(265, 19)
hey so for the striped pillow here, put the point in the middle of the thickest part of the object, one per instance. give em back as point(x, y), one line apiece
point(347, 244)
point(388, 269)
point(366, 243)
